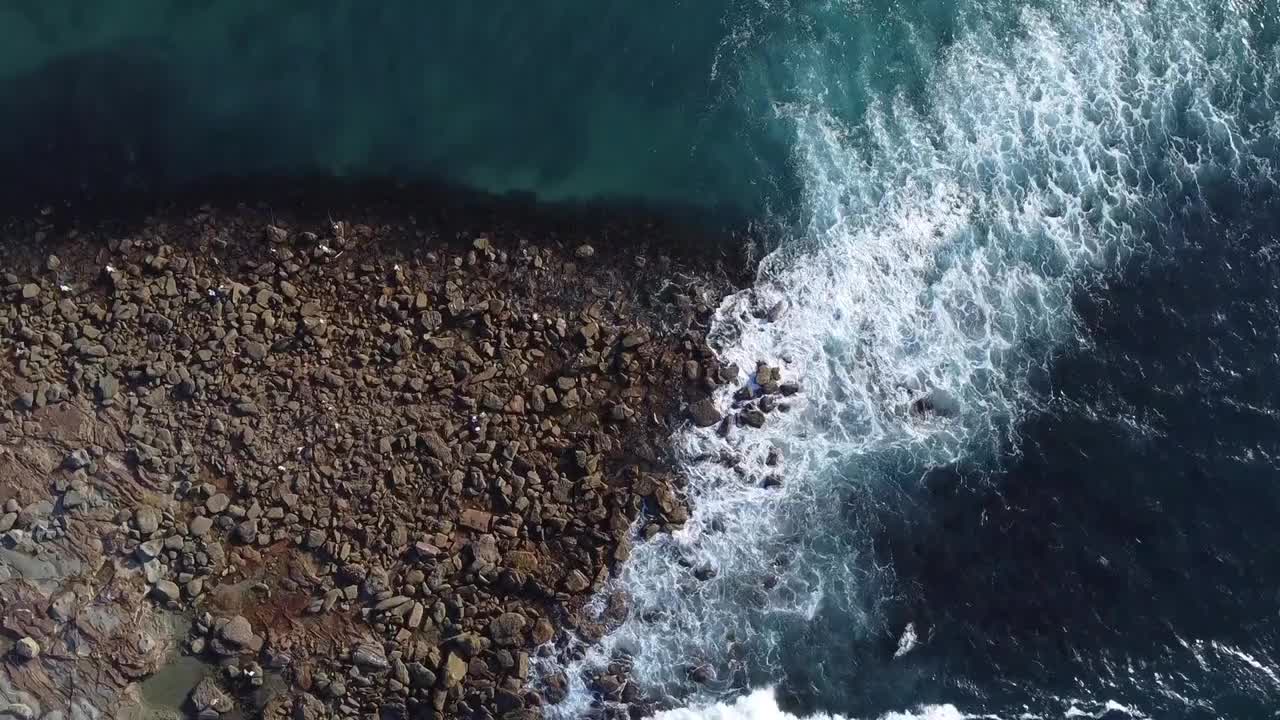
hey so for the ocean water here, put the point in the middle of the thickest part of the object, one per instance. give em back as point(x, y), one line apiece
point(1054, 224)
point(574, 101)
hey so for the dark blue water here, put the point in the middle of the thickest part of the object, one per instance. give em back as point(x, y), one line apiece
point(1055, 221)
point(1122, 547)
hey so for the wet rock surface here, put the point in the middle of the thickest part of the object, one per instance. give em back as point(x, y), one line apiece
point(378, 458)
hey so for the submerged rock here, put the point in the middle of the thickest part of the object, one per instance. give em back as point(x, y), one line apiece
point(207, 696)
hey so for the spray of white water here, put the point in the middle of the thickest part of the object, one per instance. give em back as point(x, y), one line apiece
point(761, 705)
point(943, 241)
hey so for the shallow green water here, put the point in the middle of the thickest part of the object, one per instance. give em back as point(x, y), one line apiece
point(568, 100)
point(165, 693)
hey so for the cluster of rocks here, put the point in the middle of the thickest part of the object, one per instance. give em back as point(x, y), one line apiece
point(382, 460)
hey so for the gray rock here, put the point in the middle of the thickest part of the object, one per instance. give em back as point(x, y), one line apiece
point(634, 339)
point(30, 291)
point(27, 648)
point(420, 676)
point(150, 549)
point(72, 499)
point(370, 656)
point(166, 590)
point(17, 711)
point(146, 519)
point(391, 603)
point(239, 632)
point(247, 531)
point(308, 707)
point(507, 701)
point(217, 503)
point(152, 571)
point(107, 387)
point(315, 538)
point(77, 459)
point(63, 606)
point(199, 526)
point(208, 696)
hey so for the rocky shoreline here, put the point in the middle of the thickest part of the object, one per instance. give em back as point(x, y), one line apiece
point(363, 464)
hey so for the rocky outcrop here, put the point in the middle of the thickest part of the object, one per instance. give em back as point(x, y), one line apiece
point(376, 457)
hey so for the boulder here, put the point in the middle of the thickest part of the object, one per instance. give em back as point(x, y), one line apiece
point(576, 582)
point(217, 503)
point(704, 413)
point(308, 707)
point(239, 632)
point(208, 696)
point(477, 520)
point(106, 388)
point(166, 590)
point(370, 656)
point(453, 670)
point(421, 676)
point(27, 648)
point(77, 459)
point(199, 526)
point(507, 628)
point(543, 632)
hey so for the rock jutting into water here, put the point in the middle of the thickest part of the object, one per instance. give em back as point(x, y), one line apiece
point(378, 459)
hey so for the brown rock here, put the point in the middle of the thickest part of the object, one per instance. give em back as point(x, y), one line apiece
point(576, 582)
point(477, 520)
point(543, 632)
point(507, 628)
point(704, 413)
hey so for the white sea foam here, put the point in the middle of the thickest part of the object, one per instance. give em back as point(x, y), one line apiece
point(761, 705)
point(942, 244)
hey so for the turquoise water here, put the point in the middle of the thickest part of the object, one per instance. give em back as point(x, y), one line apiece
point(677, 102)
point(569, 100)
point(1051, 224)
